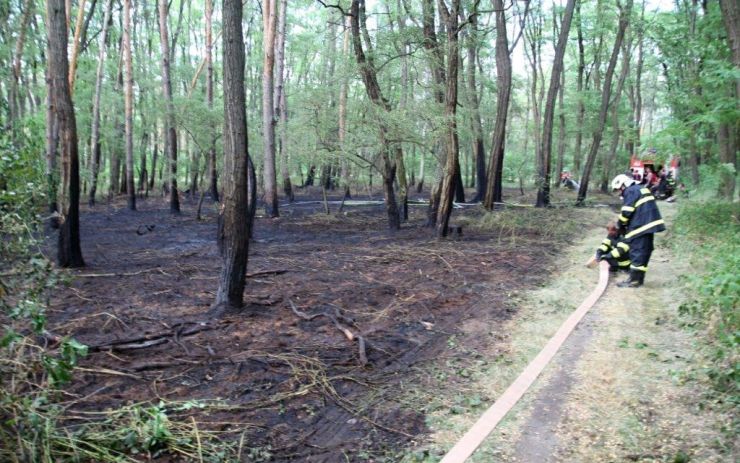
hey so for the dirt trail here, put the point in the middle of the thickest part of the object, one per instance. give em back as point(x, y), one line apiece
point(611, 394)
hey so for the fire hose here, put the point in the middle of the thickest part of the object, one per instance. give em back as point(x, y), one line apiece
point(472, 439)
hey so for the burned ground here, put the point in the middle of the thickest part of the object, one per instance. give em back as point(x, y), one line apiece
point(285, 380)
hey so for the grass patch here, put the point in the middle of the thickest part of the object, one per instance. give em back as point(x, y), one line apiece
point(709, 233)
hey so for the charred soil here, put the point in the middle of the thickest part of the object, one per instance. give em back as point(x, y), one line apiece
point(284, 372)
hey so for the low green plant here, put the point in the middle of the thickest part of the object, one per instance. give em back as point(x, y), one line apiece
point(709, 232)
point(35, 421)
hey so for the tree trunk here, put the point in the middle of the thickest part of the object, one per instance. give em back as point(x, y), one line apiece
point(479, 149)
point(370, 79)
point(280, 100)
point(561, 132)
point(128, 96)
point(76, 46)
point(581, 106)
point(236, 216)
point(69, 251)
point(503, 72)
point(420, 185)
point(452, 164)
point(612, 153)
point(95, 131)
point(343, 90)
point(543, 193)
point(14, 105)
point(730, 131)
point(212, 167)
point(605, 96)
point(436, 64)
point(52, 143)
point(268, 108)
point(170, 131)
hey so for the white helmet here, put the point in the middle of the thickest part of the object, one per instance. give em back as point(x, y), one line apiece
point(622, 180)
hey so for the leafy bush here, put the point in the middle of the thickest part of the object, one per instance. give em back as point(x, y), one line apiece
point(35, 364)
point(709, 233)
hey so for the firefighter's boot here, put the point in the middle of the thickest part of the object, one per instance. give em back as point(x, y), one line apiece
point(635, 280)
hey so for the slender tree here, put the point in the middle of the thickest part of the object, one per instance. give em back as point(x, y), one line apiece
point(605, 99)
point(269, 20)
point(729, 133)
point(14, 106)
point(436, 64)
point(212, 168)
point(69, 250)
point(128, 97)
point(543, 192)
point(343, 91)
point(581, 113)
point(170, 130)
point(473, 100)
point(280, 100)
point(372, 87)
point(452, 145)
point(95, 130)
point(236, 216)
point(503, 71)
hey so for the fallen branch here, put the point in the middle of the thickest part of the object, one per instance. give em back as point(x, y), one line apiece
point(126, 274)
point(266, 272)
point(153, 339)
point(346, 331)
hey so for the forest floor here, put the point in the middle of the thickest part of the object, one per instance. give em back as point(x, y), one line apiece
point(281, 377)
point(621, 389)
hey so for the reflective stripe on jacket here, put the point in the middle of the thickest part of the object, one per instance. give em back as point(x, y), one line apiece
point(640, 214)
point(617, 250)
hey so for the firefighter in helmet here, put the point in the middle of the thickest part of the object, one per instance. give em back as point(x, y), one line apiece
point(639, 221)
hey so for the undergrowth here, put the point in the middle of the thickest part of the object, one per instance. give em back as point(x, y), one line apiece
point(709, 233)
point(548, 225)
point(38, 418)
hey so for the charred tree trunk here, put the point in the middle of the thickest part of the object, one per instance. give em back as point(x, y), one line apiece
point(503, 70)
point(212, 164)
point(170, 131)
point(69, 250)
point(436, 64)
point(479, 149)
point(343, 90)
point(543, 193)
point(236, 212)
point(452, 176)
point(605, 96)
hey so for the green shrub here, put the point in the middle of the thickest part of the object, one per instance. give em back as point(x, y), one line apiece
point(709, 234)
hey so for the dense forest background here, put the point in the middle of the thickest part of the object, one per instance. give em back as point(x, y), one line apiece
point(666, 69)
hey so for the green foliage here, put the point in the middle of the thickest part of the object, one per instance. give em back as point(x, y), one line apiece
point(35, 364)
point(710, 233)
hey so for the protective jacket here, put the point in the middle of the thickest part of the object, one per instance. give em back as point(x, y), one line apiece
point(640, 214)
point(615, 252)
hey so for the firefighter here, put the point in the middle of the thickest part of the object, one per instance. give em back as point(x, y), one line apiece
point(614, 250)
point(639, 221)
